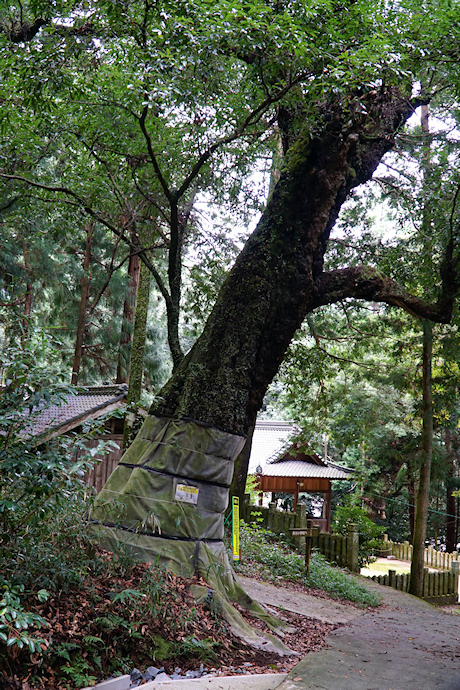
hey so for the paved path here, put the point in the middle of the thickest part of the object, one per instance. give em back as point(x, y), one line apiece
point(325, 610)
point(408, 645)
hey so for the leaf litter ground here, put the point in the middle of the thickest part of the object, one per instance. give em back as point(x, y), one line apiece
point(141, 617)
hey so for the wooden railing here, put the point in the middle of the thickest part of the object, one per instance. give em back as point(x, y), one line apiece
point(343, 550)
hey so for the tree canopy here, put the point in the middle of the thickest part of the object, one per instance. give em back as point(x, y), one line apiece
point(132, 113)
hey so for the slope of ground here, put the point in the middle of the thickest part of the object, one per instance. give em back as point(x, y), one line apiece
point(141, 616)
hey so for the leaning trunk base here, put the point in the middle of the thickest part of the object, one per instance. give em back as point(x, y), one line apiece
point(165, 503)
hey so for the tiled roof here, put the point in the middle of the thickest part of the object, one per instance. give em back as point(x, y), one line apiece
point(273, 449)
point(300, 468)
point(270, 438)
point(89, 403)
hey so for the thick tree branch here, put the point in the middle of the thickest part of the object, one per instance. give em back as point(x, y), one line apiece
point(364, 282)
point(26, 31)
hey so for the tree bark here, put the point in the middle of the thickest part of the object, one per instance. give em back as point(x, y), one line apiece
point(199, 421)
point(29, 294)
point(240, 473)
point(423, 494)
point(411, 492)
point(451, 517)
point(277, 279)
point(129, 308)
point(82, 312)
point(136, 363)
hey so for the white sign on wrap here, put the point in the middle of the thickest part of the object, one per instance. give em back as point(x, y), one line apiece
point(187, 494)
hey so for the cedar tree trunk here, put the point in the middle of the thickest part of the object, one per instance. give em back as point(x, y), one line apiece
point(136, 362)
point(129, 308)
point(451, 542)
point(82, 312)
point(423, 494)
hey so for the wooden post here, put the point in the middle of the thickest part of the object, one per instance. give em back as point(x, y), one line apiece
point(271, 515)
point(328, 499)
point(353, 548)
point(300, 521)
point(296, 496)
point(455, 571)
point(425, 582)
point(308, 546)
point(315, 536)
point(392, 578)
point(305, 533)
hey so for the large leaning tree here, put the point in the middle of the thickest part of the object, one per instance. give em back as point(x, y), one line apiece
point(341, 80)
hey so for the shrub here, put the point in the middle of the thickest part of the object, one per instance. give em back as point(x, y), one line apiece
point(70, 613)
point(43, 502)
point(370, 534)
point(267, 556)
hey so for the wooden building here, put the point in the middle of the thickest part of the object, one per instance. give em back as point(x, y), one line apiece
point(73, 411)
point(297, 471)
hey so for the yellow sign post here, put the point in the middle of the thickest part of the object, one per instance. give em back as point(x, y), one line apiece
point(236, 528)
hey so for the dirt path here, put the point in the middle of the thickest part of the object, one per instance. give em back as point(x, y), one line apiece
point(405, 645)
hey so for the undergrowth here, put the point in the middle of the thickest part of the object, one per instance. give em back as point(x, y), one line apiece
point(71, 614)
point(264, 554)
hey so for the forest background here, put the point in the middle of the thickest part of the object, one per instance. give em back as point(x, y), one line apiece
point(125, 192)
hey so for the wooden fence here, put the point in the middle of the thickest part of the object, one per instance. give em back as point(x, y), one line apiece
point(336, 548)
point(104, 466)
point(438, 587)
point(432, 557)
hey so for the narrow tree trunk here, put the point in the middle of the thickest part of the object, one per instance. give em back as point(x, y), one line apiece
point(423, 494)
point(82, 312)
point(238, 486)
point(411, 510)
point(451, 542)
point(129, 308)
point(136, 363)
point(29, 294)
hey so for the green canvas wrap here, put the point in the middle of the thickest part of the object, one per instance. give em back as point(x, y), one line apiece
point(142, 507)
point(144, 495)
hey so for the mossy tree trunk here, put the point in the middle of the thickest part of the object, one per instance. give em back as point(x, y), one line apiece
point(129, 309)
point(136, 362)
point(423, 494)
point(451, 441)
point(83, 308)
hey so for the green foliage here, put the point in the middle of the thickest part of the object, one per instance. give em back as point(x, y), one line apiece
point(42, 495)
point(43, 500)
point(271, 559)
point(203, 649)
point(127, 595)
point(79, 672)
point(251, 489)
point(370, 534)
point(16, 624)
